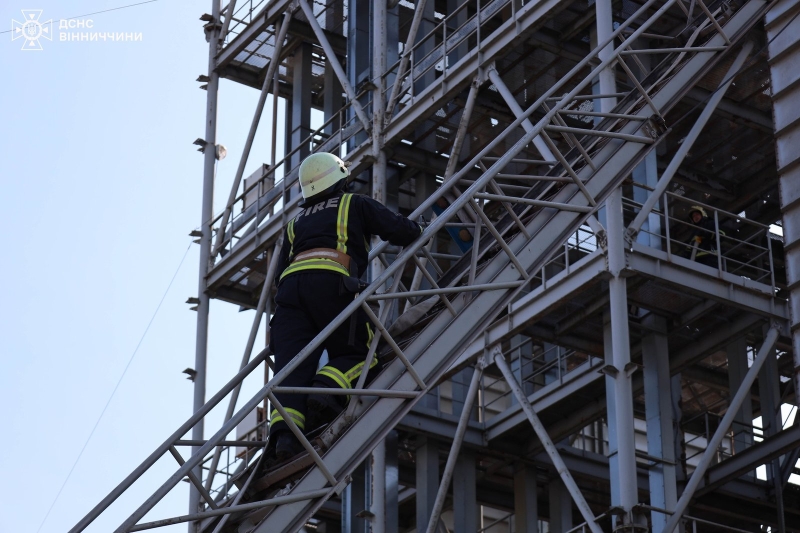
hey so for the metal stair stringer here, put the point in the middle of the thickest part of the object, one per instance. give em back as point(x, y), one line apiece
point(442, 341)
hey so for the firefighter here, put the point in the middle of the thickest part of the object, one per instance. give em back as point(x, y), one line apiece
point(704, 238)
point(325, 250)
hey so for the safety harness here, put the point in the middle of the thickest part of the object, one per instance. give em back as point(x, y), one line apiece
point(335, 260)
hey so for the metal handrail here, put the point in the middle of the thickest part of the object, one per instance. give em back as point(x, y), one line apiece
point(414, 73)
point(734, 264)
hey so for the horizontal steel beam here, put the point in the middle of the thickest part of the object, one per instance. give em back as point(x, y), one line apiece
point(278, 500)
point(259, 24)
point(562, 287)
point(527, 19)
point(735, 291)
point(438, 424)
point(747, 460)
point(546, 397)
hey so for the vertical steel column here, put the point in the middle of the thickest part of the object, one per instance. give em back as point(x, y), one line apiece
point(378, 487)
point(679, 444)
point(427, 479)
point(618, 386)
point(392, 487)
point(426, 26)
point(301, 102)
point(526, 504)
point(607, 80)
point(611, 409)
point(354, 502)
point(378, 470)
point(622, 367)
point(560, 507)
point(785, 94)
point(358, 57)
point(332, 91)
point(646, 173)
point(660, 419)
point(724, 424)
point(378, 108)
point(465, 497)
point(737, 368)
point(206, 214)
point(769, 397)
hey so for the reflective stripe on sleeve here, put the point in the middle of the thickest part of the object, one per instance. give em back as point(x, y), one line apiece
point(342, 218)
point(369, 339)
point(290, 234)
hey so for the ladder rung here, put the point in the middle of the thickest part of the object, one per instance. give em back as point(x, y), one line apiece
point(673, 50)
point(529, 177)
point(537, 203)
point(384, 393)
point(595, 133)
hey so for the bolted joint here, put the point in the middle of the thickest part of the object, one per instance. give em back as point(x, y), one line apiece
point(609, 370)
point(655, 127)
point(339, 488)
point(630, 368)
point(602, 240)
point(633, 521)
point(631, 528)
point(630, 236)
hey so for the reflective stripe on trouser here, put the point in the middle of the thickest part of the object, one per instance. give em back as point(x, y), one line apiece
point(347, 379)
point(297, 417)
point(308, 301)
point(337, 374)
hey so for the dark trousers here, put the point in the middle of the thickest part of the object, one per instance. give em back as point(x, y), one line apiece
point(306, 303)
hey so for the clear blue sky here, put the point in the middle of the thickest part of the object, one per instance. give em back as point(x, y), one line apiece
point(100, 188)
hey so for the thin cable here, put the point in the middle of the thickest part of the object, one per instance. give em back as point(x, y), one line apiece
point(115, 388)
point(98, 12)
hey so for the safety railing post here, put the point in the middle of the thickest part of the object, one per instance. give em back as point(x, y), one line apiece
point(771, 262)
point(719, 243)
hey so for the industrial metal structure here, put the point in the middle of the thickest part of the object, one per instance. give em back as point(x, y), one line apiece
point(561, 352)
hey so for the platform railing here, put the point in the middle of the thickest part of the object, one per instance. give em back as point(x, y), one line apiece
point(541, 367)
point(415, 64)
point(263, 196)
point(739, 246)
point(243, 12)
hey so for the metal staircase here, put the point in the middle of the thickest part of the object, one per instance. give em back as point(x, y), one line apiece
point(509, 251)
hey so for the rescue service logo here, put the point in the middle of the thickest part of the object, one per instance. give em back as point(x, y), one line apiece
point(31, 29)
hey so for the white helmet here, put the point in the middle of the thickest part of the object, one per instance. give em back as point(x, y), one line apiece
point(319, 172)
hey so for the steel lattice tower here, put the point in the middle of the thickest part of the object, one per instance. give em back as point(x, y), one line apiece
point(561, 352)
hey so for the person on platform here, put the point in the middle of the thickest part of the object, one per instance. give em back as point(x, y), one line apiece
point(704, 240)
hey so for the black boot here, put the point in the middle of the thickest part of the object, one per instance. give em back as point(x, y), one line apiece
point(287, 447)
point(280, 448)
point(323, 408)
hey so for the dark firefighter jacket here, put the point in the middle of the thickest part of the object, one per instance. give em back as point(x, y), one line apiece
point(705, 236)
point(344, 222)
